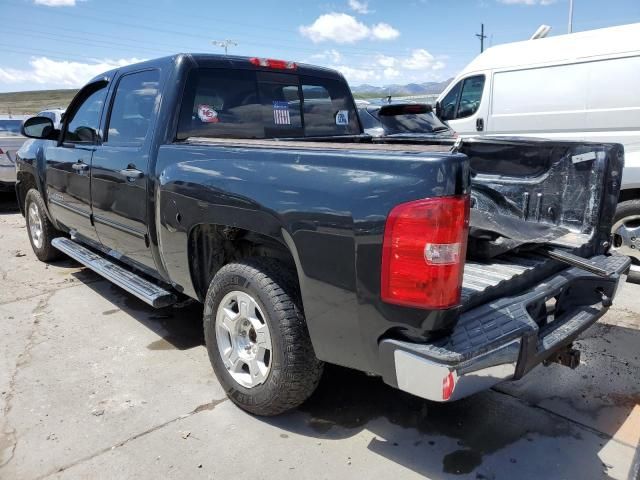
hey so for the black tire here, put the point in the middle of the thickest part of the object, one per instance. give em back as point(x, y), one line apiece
point(630, 209)
point(44, 251)
point(294, 369)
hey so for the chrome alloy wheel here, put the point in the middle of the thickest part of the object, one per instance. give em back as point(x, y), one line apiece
point(35, 226)
point(243, 337)
point(627, 239)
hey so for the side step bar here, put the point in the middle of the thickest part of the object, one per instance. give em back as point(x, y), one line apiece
point(145, 290)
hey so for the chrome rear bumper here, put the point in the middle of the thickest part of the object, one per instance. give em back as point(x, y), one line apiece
point(503, 339)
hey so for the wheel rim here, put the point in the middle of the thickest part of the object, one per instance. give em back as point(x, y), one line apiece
point(627, 237)
point(243, 338)
point(35, 225)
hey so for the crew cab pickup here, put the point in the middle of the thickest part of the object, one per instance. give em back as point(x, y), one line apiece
point(247, 184)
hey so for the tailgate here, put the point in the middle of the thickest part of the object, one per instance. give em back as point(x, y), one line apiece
point(506, 338)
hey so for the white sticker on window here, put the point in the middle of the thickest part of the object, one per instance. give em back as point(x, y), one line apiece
point(207, 114)
point(342, 117)
point(281, 113)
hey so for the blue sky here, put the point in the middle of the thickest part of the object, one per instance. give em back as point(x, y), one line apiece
point(62, 43)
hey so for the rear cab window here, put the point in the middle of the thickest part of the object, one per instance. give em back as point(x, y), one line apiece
point(221, 103)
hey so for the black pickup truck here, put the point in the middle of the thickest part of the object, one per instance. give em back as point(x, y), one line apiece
point(248, 185)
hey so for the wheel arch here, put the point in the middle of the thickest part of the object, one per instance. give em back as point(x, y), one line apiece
point(212, 246)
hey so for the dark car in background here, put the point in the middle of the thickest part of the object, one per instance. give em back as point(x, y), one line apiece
point(10, 141)
point(403, 119)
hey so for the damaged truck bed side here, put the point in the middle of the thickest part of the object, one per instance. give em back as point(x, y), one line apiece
point(248, 185)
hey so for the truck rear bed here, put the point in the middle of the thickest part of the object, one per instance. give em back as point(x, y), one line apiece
point(483, 282)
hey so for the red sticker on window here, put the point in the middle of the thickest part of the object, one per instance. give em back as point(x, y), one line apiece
point(207, 114)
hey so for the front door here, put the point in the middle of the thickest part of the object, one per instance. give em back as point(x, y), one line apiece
point(69, 162)
point(120, 168)
point(463, 107)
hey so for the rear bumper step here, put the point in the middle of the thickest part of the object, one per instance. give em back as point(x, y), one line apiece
point(145, 290)
point(506, 338)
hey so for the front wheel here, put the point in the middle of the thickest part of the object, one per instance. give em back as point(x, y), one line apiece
point(40, 229)
point(257, 337)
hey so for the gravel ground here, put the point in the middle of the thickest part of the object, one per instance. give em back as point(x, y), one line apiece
point(95, 384)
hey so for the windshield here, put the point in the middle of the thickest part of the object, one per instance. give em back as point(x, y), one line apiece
point(412, 123)
point(249, 104)
point(10, 127)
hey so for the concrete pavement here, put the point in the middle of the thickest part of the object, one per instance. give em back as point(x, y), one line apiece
point(95, 384)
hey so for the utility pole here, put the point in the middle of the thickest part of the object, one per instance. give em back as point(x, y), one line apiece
point(225, 44)
point(570, 29)
point(481, 36)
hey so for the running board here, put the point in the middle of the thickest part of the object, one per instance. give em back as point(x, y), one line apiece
point(145, 290)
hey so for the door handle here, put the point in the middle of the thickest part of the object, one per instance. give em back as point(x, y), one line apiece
point(132, 173)
point(480, 124)
point(80, 166)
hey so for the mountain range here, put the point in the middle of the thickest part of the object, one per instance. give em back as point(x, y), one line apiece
point(426, 88)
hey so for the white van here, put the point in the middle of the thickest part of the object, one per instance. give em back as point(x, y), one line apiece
point(581, 86)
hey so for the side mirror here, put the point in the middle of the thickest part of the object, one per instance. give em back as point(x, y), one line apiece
point(37, 127)
point(438, 110)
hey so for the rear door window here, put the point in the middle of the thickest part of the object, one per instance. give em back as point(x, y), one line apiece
point(258, 104)
point(135, 103)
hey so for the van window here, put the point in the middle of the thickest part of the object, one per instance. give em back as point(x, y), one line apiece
point(463, 100)
point(133, 107)
point(249, 104)
point(450, 102)
point(471, 96)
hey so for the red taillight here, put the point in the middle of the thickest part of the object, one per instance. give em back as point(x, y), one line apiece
point(273, 63)
point(423, 252)
point(448, 384)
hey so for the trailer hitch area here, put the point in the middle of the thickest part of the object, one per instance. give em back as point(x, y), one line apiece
point(568, 356)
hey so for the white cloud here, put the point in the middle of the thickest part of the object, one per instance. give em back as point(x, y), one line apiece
point(53, 73)
point(527, 2)
point(343, 28)
point(356, 75)
point(385, 61)
point(359, 6)
point(56, 3)
point(384, 31)
point(332, 55)
point(420, 59)
point(391, 73)
point(419, 66)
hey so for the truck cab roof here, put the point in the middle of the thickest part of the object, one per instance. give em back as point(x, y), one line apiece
point(209, 60)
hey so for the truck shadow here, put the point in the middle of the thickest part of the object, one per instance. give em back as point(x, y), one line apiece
point(8, 203)
point(502, 433)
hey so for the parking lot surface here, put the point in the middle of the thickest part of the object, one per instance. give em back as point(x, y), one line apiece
point(95, 384)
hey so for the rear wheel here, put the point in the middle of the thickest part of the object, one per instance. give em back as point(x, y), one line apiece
point(257, 337)
point(626, 230)
point(40, 229)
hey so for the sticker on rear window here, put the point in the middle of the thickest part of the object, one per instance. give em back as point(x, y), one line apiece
point(207, 114)
point(281, 113)
point(342, 117)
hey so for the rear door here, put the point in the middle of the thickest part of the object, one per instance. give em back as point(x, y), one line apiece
point(121, 166)
point(69, 161)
